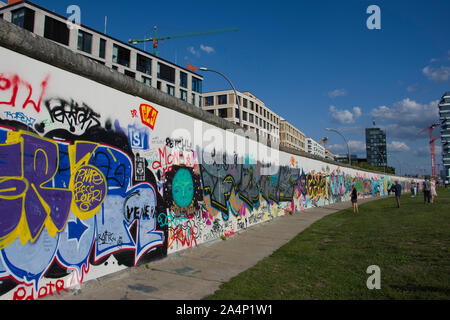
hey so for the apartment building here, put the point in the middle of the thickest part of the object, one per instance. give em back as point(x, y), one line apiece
point(255, 115)
point(291, 137)
point(154, 71)
point(329, 155)
point(315, 148)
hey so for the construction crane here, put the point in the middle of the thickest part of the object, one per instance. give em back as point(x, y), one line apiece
point(432, 147)
point(155, 39)
point(324, 142)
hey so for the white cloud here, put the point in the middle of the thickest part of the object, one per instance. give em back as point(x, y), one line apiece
point(345, 116)
point(441, 74)
point(397, 146)
point(406, 118)
point(408, 112)
point(193, 51)
point(356, 147)
point(337, 93)
point(207, 49)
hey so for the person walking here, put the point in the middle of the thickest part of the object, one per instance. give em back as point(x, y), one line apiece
point(426, 191)
point(433, 192)
point(354, 198)
point(397, 188)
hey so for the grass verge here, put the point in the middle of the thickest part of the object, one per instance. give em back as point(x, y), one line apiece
point(329, 259)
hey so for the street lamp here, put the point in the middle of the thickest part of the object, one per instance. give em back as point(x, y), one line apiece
point(348, 149)
point(232, 86)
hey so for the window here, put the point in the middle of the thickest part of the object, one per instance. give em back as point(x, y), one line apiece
point(193, 99)
point(146, 80)
point(250, 118)
point(158, 85)
point(196, 85)
point(171, 90)
point(102, 49)
point(245, 103)
point(166, 73)
point(183, 95)
point(143, 64)
point(183, 79)
point(236, 113)
point(222, 99)
point(244, 116)
point(130, 74)
point(223, 112)
point(56, 30)
point(121, 55)
point(84, 41)
point(24, 18)
point(199, 101)
point(251, 105)
point(209, 101)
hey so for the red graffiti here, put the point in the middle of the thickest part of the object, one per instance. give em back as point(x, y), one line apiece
point(48, 289)
point(165, 162)
point(134, 113)
point(228, 233)
point(14, 84)
point(184, 236)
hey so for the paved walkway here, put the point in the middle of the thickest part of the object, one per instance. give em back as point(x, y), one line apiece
point(198, 272)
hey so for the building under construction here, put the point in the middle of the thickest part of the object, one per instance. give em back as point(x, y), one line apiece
point(147, 68)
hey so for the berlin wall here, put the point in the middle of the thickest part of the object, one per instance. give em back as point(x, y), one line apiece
point(94, 179)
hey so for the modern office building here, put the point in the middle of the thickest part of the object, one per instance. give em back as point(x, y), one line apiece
point(315, 148)
point(154, 71)
point(376, 147)
point(444, 114)
point(291, 137)
point(255, 115)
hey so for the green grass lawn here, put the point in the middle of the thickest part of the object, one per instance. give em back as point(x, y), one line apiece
point(329, 259)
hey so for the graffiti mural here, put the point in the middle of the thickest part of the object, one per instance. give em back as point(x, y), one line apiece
point(94, 180)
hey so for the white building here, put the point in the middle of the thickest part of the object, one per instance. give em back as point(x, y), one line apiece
point(291, 137)
point(255, 115)
point(315, 148)
point(154, 71)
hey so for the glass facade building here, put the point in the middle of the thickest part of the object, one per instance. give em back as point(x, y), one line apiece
point(444, 114)
point(376, 147)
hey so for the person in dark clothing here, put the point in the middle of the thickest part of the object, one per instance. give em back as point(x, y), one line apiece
point(426, 191)
point(397, 188)
point(354, 199)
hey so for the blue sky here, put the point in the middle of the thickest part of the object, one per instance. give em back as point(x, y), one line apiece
point(314, 63)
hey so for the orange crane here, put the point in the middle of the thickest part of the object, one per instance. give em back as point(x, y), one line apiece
point(155, 39)
point(324, 142)
point(432, 147)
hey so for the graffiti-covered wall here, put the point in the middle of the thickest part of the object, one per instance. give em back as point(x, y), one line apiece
point(94, 180)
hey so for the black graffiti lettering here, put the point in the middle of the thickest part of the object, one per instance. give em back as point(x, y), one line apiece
point(72, 114)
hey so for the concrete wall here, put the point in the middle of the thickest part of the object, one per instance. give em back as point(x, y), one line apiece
point(98, 176)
